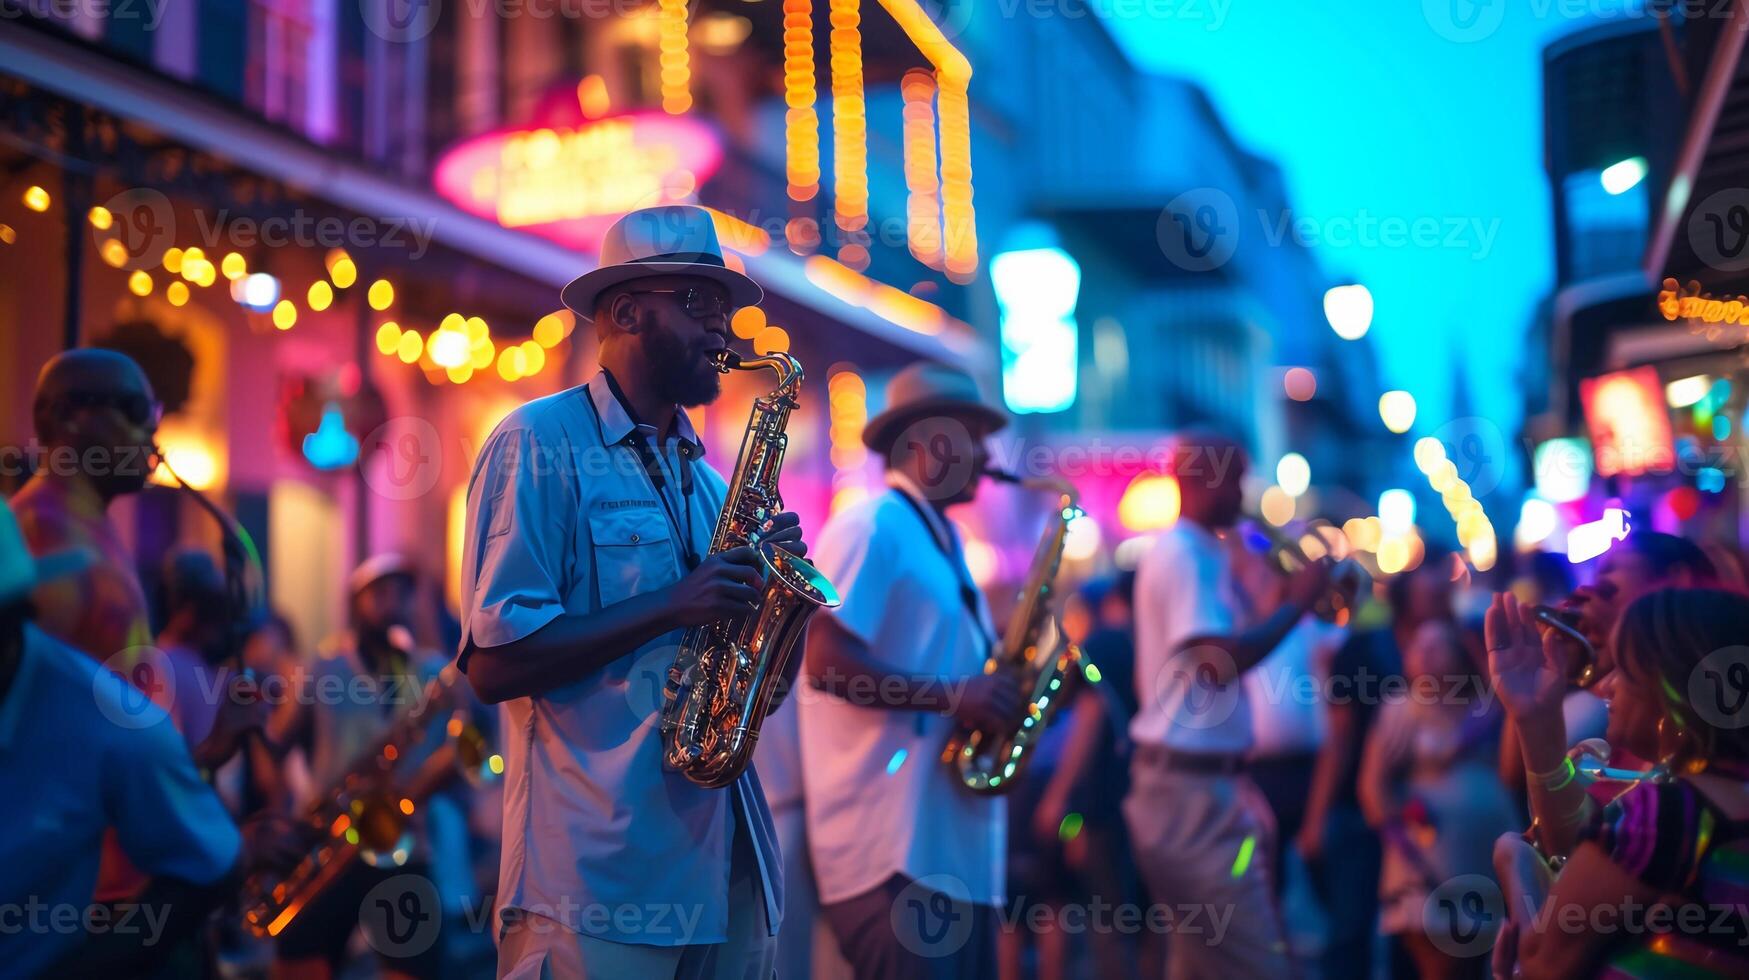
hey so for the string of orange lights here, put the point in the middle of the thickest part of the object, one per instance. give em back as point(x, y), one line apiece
point(923, 202)
point(673, 57)
point(800, 90)
point(457, 349)
point(849, 117)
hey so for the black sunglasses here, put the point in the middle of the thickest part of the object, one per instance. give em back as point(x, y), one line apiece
point(139, 410)
point(698, 303)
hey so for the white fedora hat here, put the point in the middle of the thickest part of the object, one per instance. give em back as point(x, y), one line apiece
point(20, 572)
point(926, 389)
point(671, 240)
point(378, 567)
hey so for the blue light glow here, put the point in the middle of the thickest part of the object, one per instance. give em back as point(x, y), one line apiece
point(1619, 178)
point(330, 447)
point(896, 761)
point(1037, 289)
point(1563, 470)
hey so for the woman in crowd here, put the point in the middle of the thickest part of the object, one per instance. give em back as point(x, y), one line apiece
point(1654, 883)
point(1428, 786)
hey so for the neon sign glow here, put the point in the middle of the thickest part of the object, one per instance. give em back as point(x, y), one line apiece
point(568, 182)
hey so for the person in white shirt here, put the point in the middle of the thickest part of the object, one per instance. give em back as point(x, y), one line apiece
point(909, 864)
point(1201, 831)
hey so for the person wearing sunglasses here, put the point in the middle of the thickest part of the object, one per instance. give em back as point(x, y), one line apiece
point(95, 417)
point(587, 554)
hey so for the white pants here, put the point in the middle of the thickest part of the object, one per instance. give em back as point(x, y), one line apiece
point(1205, 845)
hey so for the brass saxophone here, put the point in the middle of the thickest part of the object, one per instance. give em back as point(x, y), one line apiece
point(720, 685)
point(364, 815)
point(1050, 670)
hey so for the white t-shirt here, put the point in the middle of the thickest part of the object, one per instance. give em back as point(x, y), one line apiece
point(879, 801)
point(1184, 589)
point(1284, 690)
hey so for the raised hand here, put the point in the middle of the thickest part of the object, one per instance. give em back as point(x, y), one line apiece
point(1529, 671)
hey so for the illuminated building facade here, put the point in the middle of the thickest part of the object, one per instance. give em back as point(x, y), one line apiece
point(1642, 173)
point(354, 230)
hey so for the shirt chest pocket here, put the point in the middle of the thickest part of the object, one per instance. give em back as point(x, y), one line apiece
point(634, 552)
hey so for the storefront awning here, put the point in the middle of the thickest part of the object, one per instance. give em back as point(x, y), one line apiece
point(75, 71)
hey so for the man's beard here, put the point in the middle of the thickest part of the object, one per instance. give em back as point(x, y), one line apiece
point(680, 373)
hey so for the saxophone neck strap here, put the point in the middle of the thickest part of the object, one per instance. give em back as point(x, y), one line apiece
point(956, 561)
point(638, 440)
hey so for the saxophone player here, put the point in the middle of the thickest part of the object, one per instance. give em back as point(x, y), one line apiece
point(908, 863)
point(590, 514)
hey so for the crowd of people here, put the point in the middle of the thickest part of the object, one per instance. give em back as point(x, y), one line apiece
point(1265, 769)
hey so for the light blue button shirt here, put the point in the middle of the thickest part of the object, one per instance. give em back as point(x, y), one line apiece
point(82, 751)
point(563, 519)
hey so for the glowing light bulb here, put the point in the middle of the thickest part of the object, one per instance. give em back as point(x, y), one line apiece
point(1349, 310)
point(1294, 474)
point(1397, 409)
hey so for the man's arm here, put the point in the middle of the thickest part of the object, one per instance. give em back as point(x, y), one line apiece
point(1232, 655)
point(840, 663)
point(572, 647)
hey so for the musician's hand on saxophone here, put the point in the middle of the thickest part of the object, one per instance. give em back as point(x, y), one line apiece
point(724, 584)
point(987, 702)
point(272, 840)
point(784, 531)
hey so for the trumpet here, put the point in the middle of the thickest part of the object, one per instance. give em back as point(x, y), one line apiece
point(1584, 669)
point(1349, 579)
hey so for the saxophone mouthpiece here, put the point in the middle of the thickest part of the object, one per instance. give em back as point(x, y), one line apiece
point(1003, 476)
point(726, 360)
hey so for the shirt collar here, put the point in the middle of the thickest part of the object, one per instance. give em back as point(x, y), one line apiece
point(618, 423)
point(938, 526)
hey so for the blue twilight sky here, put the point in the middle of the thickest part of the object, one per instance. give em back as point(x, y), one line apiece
point(1411, 109)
